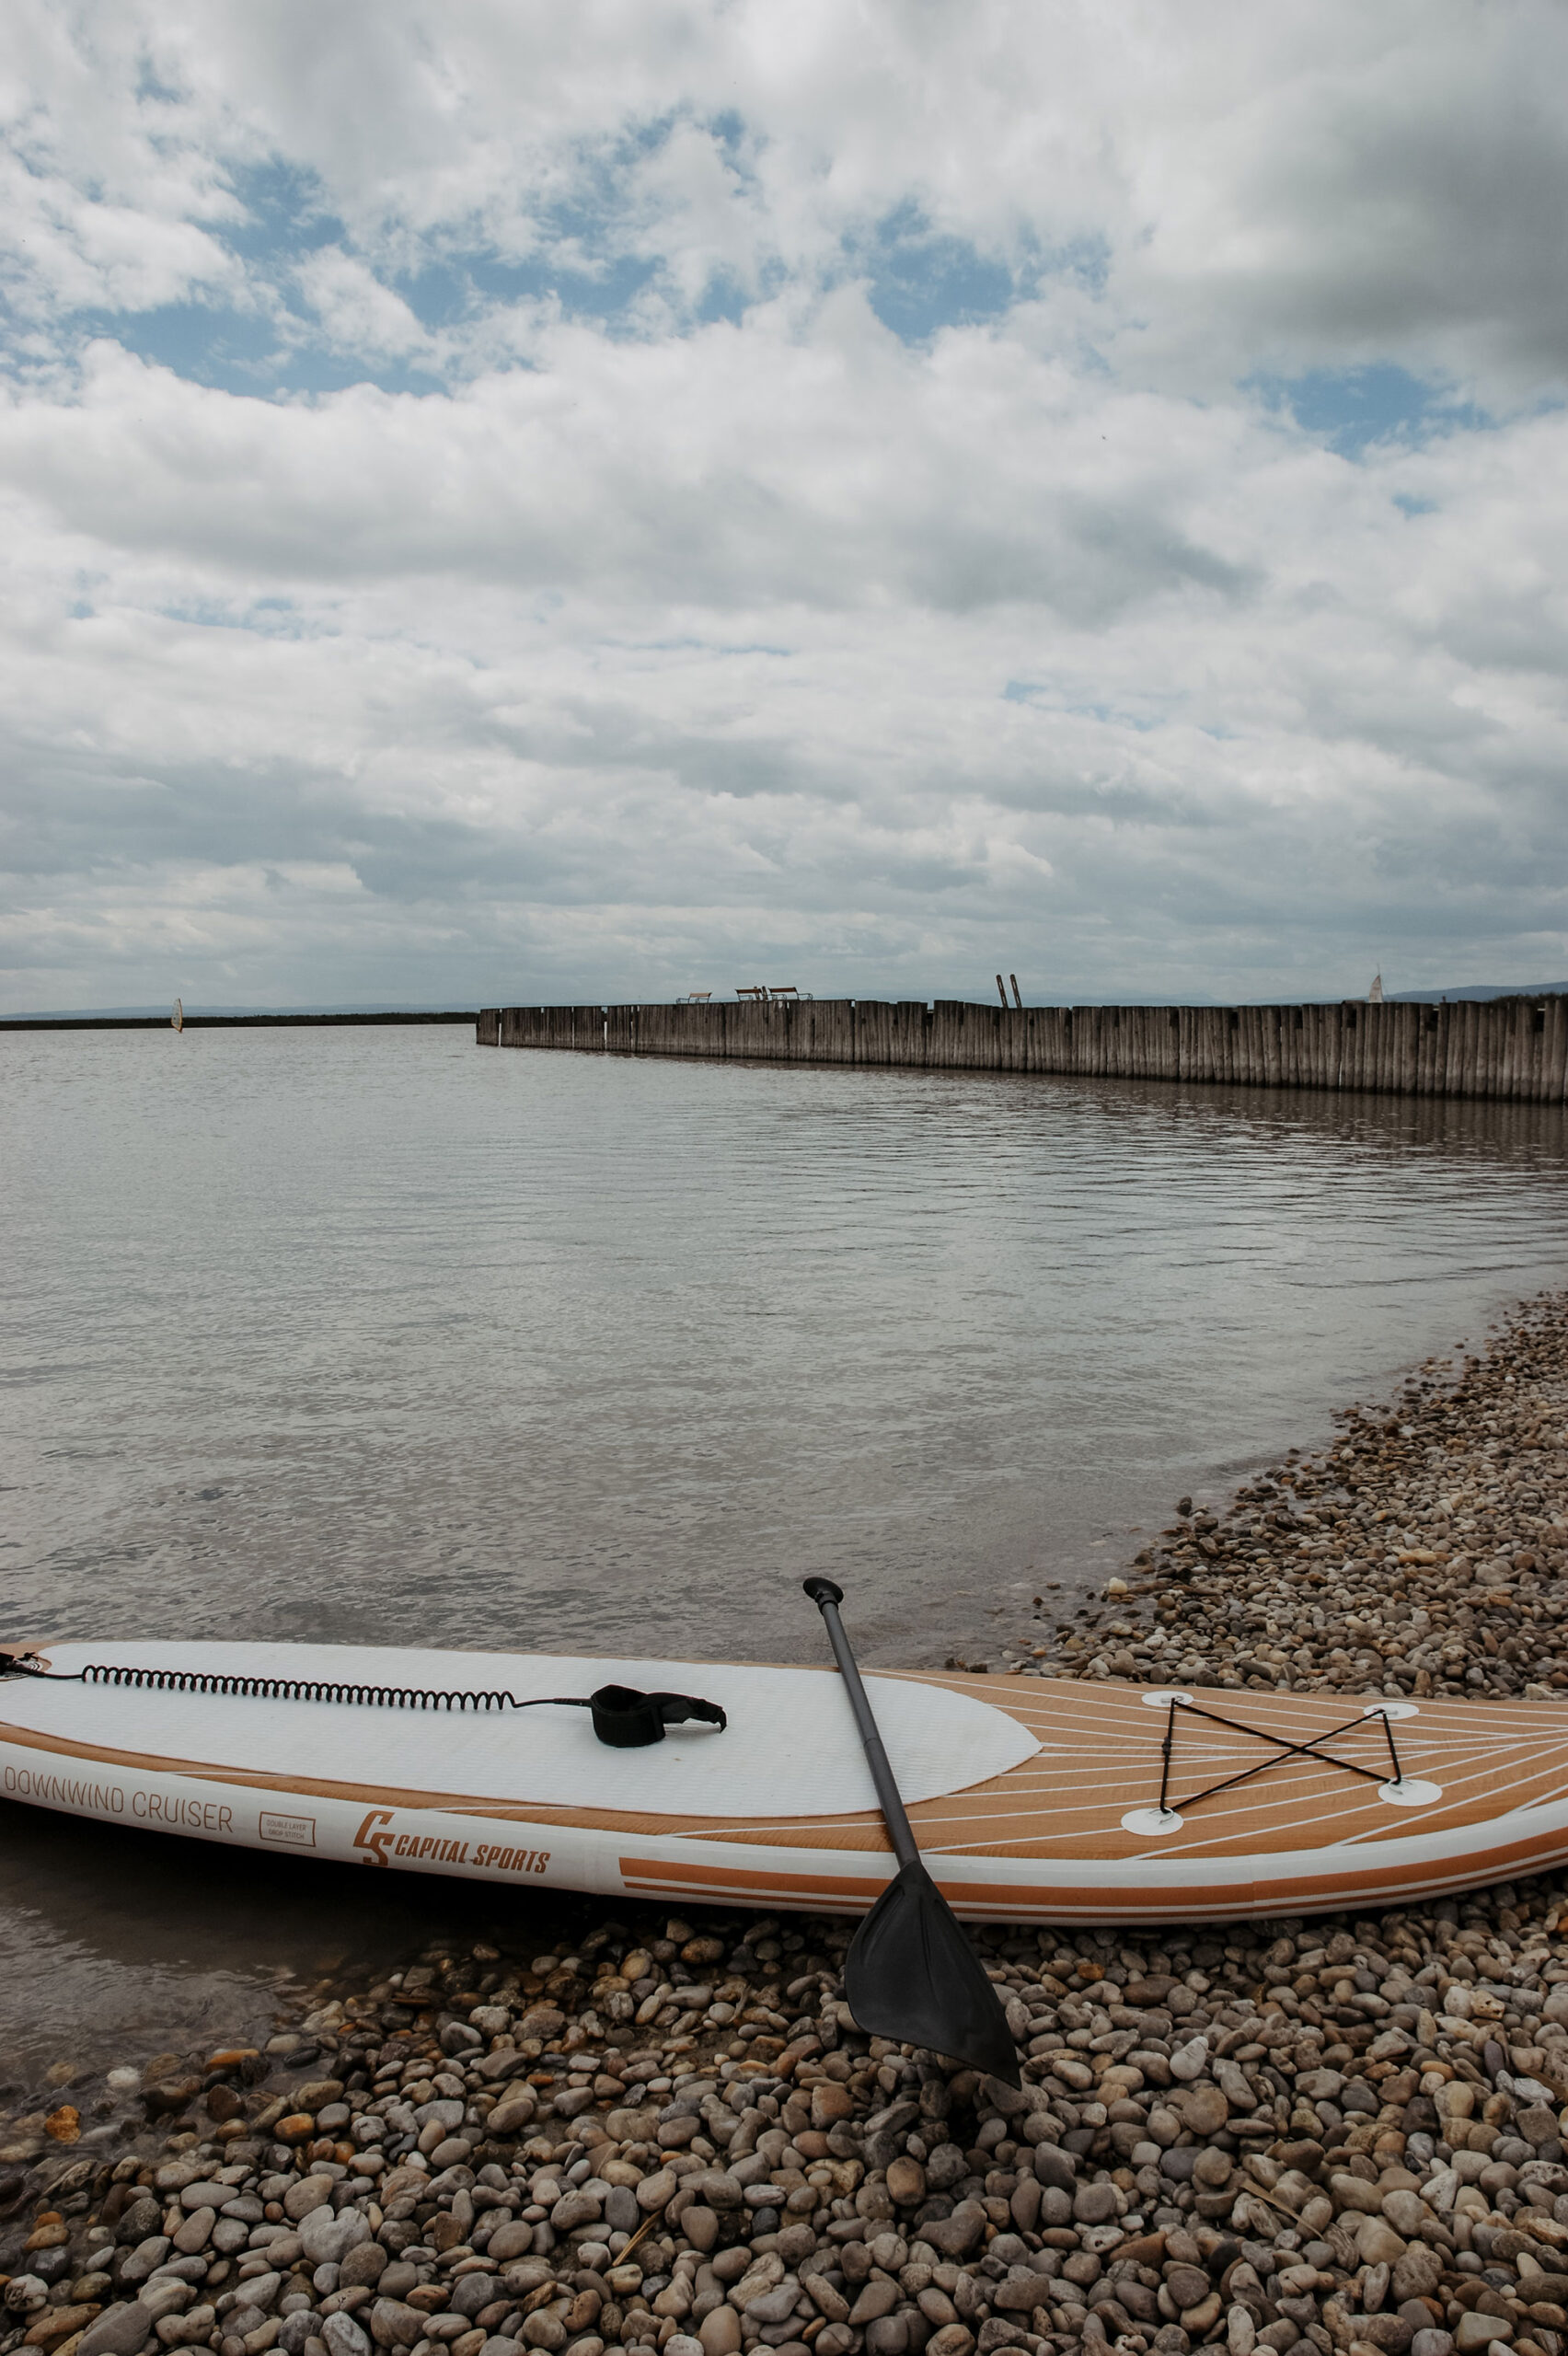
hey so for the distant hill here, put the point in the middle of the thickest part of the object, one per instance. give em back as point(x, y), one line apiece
point(1478, 990)
point(162, 1012)
point(295, 1018)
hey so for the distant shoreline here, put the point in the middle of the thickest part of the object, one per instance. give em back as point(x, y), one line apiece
point(219, 1022)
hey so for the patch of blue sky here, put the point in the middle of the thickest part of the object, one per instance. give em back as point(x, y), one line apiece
point(584, 261)
point(724, 297)
point(1113, 716)
point(269, 344)
point(440, 293)
point(285, 214)
point(1356, 410)
point(584, 287)
point(149, 88)
point(263, 617)
point(922, 280)
point(586, 258)
point(1041, 698)
point(258, 352)
point(210, 344)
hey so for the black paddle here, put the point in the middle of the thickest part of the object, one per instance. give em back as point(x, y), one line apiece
point(911, 1974)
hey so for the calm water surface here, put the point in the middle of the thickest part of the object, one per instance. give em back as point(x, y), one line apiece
point(373, 1335)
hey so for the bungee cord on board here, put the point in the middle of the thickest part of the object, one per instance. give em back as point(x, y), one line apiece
point(624, 1718)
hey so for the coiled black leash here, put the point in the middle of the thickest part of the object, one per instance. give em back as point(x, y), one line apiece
point(623, 1717)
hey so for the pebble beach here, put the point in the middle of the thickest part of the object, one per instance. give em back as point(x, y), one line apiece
point(628, 2129)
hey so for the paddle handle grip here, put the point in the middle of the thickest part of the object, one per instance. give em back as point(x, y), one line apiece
point(827, 1599)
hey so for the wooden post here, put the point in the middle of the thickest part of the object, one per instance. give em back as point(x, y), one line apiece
point(1488, 1061)
point(1408, 1066)
point(1442, 1050)
point(1463, 1032)
point(910, 1022)
point(1554, 1053)
point(1522, 1042)
point(1536, 1016)
point(1353, 1040)
point(1499, 1048)
point(1520, 1039)
point(1369, 1023)
point(1403, 1037)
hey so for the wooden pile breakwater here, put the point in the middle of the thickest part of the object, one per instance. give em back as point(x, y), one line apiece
point(1514, 1048)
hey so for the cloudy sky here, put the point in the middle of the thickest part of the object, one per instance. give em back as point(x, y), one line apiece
point(510, 502)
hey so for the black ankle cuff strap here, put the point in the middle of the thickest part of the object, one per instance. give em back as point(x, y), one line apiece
point(627, 1720)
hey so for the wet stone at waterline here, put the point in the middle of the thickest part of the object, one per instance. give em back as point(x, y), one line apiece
point(666, 2133)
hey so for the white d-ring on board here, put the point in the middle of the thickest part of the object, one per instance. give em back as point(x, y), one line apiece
point(1157, 1701)
point(1410, 1792)
point(1392, 1710)
point(1152, 1819)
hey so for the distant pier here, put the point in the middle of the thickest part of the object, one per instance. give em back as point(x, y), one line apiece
point(1512, 1048)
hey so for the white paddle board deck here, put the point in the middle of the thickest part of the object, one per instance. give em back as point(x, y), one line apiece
point(1033, 1799)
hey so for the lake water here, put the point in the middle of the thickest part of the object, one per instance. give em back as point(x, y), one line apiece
point(373, 1335)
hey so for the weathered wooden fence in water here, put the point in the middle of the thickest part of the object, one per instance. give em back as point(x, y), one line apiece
point(1514, 1048)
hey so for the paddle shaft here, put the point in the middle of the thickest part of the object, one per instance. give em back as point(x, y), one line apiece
point(827, 1599)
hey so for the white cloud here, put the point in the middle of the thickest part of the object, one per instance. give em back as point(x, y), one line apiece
point(622, 644)
point(355, 311)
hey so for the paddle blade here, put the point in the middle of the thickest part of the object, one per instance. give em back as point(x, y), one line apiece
point(912, 1975)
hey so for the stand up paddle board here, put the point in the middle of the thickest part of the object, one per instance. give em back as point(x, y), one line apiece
point(1031, 1799)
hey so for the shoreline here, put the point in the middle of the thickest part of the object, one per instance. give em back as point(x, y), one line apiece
point(1430, 1525)
point(663, 2132)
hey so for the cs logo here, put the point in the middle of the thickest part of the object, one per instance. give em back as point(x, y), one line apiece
point(374, 1835)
